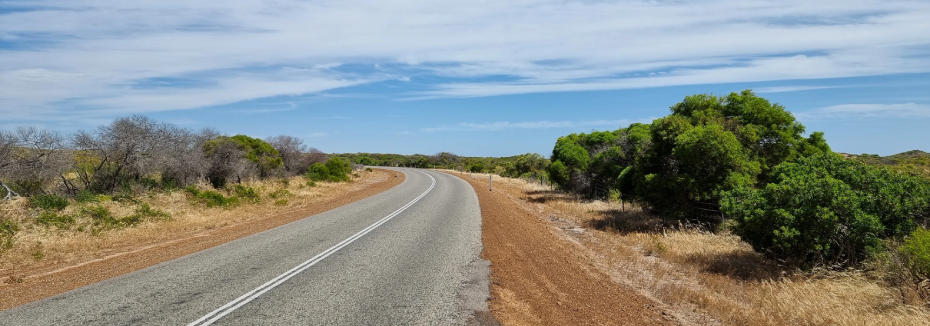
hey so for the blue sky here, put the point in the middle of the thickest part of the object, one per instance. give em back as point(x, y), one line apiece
point(477, 78)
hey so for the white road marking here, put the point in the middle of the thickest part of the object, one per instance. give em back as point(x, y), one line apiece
point(215, 315)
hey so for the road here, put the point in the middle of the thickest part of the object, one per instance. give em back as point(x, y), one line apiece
point(407, 256)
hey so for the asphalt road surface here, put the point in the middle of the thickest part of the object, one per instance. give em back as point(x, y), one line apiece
point(407, 256)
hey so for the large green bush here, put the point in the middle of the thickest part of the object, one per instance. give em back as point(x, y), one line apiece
point(826, 209)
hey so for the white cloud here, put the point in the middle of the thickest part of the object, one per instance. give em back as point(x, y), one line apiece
point(784, 89)
point(88, 58)
point(904, 110)
point(502, 125)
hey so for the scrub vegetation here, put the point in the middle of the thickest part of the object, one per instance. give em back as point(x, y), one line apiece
point(737, 201)
point(136, 172)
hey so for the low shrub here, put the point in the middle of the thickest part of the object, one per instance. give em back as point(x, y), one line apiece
point(103, 219)
point(50, 219)
point(317, 172)
point(916, 250)
point(146, 210)
point(48, 202)
point(8, 230)
point(247, 193)
point(215, 199)
point(369, 169)
point(85, 196)
point(311, 184)
point(281, 202)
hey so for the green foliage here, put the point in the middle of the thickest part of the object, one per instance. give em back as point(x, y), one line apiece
point(369, 170)
point(364, 159)
point(559, 173)
point(281, 202)
point(85, 196)
point(258, 151)
point(51, 219)
point(214, 199)
point(48, 202)
point(8, 231)
point(311, 184)
point(914, 163)
point(339, 169)
point(145, 210)
point(103, 219)
point(916, 249)
point(247, 193)
point(336, 169)
point(317, 172)
point(826, 209)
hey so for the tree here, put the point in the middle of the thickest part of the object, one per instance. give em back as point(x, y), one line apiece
point(263, 156)
point(291, 149)
point(125, 149)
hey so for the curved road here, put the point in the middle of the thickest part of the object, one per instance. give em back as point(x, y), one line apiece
point(407, 256)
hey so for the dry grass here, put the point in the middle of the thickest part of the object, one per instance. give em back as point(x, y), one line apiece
point(712, 278)
point(39, 249)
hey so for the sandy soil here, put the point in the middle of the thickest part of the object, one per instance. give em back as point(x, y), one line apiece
point(539, 277)
point(33, 285)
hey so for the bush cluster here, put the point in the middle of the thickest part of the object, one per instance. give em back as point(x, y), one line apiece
point(743, 158)
point(336, 169)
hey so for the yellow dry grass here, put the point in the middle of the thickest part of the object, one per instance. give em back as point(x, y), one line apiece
point(711, 278)
point(38, 248)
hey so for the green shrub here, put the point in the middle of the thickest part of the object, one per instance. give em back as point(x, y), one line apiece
point(49, 202)
point(85, 196)
point(247, 193)
point(50, 219)
point(8, 230)
point(369, 169)
point(826, 209)
point(215, 199)
point(338, 168)
point(317, 172)
point(281, 202)
point(311, 184)
point(916, 249)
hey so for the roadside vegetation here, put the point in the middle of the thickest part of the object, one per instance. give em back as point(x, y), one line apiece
point(66, 198)
point(734, 211)
point(529, 165)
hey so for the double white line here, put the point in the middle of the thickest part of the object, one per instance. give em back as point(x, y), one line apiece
point(215, 315)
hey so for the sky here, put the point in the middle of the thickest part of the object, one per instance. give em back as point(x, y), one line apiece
point(476, 78)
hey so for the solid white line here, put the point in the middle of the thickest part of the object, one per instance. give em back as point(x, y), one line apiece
point(215, 315)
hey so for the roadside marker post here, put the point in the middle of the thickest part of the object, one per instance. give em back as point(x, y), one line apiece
point(490, 183)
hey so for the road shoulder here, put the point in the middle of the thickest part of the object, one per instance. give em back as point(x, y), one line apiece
point(540, 278)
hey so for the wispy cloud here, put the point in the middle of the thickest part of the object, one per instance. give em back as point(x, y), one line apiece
point(103, 57)
point(904, 110)
point(317, 134)
point(785, 89)
point(502, 125)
